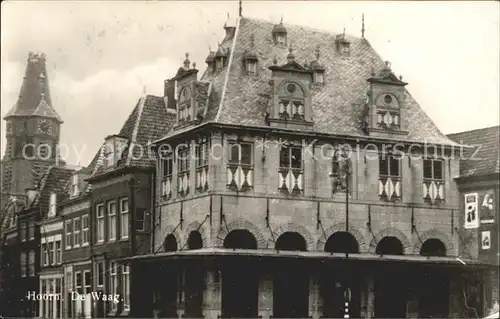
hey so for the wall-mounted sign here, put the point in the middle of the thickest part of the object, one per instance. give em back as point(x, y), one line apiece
point(485, 240)
point(471, 218)
point(487, 210)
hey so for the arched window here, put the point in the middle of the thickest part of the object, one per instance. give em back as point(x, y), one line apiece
point(291, 241)
point(433, 247)
point(291, 101)
point(240, 239)
point(389, 246)
point(195, 241)
point(170, 243)
point(342, 242)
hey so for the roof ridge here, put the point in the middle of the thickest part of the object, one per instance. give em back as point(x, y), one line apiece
point(133, 138)
point(306, 28)
point(228, 73)
point(475, 130)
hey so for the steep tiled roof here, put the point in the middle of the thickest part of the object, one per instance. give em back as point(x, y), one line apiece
point(337, 106)
point(34, 97)
point(148, 121)
point(486, 142)
point(54, 181)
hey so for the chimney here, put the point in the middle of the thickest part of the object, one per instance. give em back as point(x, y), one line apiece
point(169, 95)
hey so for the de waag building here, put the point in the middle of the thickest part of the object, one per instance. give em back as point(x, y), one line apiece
point(261, 213)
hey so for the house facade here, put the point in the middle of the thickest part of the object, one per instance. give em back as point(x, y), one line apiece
point(122, 183)
point(300, 179)
point(479, 188)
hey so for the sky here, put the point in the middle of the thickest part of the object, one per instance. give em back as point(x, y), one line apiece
point(101, 56)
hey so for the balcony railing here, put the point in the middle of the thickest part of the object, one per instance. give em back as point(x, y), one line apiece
point(239, 176)
point(389, 188)
point(291, 180)
point(166, 187)
point(433, 190)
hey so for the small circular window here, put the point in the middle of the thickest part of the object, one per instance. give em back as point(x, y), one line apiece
point(290, 88)
point(388, 99)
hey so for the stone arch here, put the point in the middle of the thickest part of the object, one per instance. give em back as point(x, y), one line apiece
point(169, 230)
point(393, 232)
point(341, 227)
point(436, 234)
point(291, 227)
point(198, 227)
point(240, 224)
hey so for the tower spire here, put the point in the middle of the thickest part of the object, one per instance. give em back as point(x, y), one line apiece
point(363, 26)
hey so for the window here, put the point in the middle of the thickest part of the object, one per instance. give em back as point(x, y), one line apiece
point(389, 177)
point(290, 170)
point(23, 263)
point(87, 281)
point(109, 154)
point(44, 150)
point(113, 282)
point(74, 186)
point(100, 223)
point(183, 159)
point(78, 282)
point(124, 218)
point(76, 232)
point(31, 231)
point(50, 253)
point(85, 230)
point(184, 105)
point(318, 77)
point(291, 102)
point(433, 169)
point(202, 153)
point(240, 166)
point(389, 166)
point(100, 274)
point(280, 38)
point(140, 219)
point(52, 205)
point(31, 263)
point(23, 231)
point(433, 183)
point(69, 233)
point(251, 66)
point(46, 254)
point(126, 287)
point(111, 221)
point(291, 157)
point(167, 164)
point(240, 153)
point(58, 254)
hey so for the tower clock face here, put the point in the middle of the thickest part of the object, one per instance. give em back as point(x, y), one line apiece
point(44, 126)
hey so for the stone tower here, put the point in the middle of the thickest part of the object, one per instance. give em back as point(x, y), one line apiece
point(32, 131)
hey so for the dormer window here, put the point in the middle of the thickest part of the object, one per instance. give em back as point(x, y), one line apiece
point(52, 204)
point(291, 102)
point(74, 186)
point(279, 33)
point(185, 105)
point(113, 148)
point(220, 58)
point(343, 45)
point(250, 58)
point(318, 77)
point(387, 112)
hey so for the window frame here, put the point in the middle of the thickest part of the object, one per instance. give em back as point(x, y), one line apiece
point(31, 263)
point(112, 221)
point(113, 283)
point(74, 185)
point(167, 164)
point(238, 145)
point(142, 220)
point(78, 287)
point(68, 232)
point(100, 273)
point(387, 158)
point(125, 272)
point(52, 205)
point(77, 239)
point(87, 286)
point(85, 230)
point(183, 162)
point(124, 227)
point(289, 149)
point(58, 254)
point(100, 218)
point(432, 169)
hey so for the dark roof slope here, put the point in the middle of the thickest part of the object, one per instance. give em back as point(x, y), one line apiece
point(54, 181)
point(148, 121)
point(337, 106)
point(484, 159)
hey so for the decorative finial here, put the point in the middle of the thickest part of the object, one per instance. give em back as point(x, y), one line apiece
point(194, 65)
point(400, 78)
point(144, 90)
point(281, 21)
point(186, 61)
point(290, 49)
point(372, 71)
point(363, 26)
point(275, 60)
point(343, 33)
point(240, 9)
point(290, 57)
point(317, 52)
point(252, 41)
point(388, 65)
